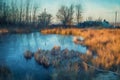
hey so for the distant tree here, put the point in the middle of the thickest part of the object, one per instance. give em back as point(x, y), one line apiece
point(27, 10)
point(99, 19)
point(13, 12)
point(65, 14)
point(1, 11)
point(89, 18)
point(1, 6)
point(21, 11)
point(35, 7)
point(30, 14)
point(62, 14)
point(5, 14)
point(9, 12)
point(78, 13)
point(44, 19)
point(70, 14)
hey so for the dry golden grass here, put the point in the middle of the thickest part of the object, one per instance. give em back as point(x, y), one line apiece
point(106, 42)
point(3, 31)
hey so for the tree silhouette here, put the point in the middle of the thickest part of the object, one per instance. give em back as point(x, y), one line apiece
point(44, 19)
point(1, 11)
point(78, 13)
point(65, 14)
point(27, 10)
point(35, 7)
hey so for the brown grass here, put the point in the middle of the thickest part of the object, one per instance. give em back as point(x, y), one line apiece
point(3, 31)
point(106, 42)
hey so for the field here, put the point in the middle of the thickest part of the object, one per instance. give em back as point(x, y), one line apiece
point(104, 42)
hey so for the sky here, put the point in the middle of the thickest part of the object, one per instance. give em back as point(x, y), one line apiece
point(104, 9)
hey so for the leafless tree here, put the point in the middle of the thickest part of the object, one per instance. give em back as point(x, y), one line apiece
point(44, 19)
point(1, 6)
point(13, 12)
point(78, 13)
point(21, 11)
point(70, 14)
point(35, 7)
point(89, 18)
point(62, 14)
point(27, 10)
point(30, 14)
point(5, 12)
point(65, 14)
point(99, 19)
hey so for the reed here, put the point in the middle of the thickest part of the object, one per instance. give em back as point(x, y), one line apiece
point(106, 42)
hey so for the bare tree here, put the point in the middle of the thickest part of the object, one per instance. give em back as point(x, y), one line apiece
point(30, 14)
point(1, 10)
point(35, 7)
point(65, 14)
point(27, 10)
point(1, 6)
point(99, 19)
point(23, 15)
point(13, 12)
point(21, 11)
point(10, 12)
point(78, 13)
point(70, 14)
point(62, 14)
point(44, 19)
point(5, 13)
point(89, 18)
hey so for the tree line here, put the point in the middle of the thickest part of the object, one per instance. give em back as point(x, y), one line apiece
point(11, 13)
point(27, 14)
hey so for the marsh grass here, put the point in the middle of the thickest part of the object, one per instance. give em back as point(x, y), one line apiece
point(106, 43)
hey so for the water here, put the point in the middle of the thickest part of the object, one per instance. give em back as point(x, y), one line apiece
point(12, 47)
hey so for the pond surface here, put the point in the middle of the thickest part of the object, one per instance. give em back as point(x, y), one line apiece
point(13, 46)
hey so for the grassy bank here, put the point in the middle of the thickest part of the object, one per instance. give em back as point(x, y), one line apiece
point(106, 43)
point(18, 30)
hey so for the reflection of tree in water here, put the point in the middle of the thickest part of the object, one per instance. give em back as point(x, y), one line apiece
point(5, 73)
point(35, 39)
point(5, 47)
point(0, 38)
point(40, 39)
point(63, 40)
point(66, 42)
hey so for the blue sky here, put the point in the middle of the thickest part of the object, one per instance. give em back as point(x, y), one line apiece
point(104, 9)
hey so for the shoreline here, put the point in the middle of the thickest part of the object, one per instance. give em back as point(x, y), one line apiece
point(18, 31)
point(21, 30)
point(104, 42)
